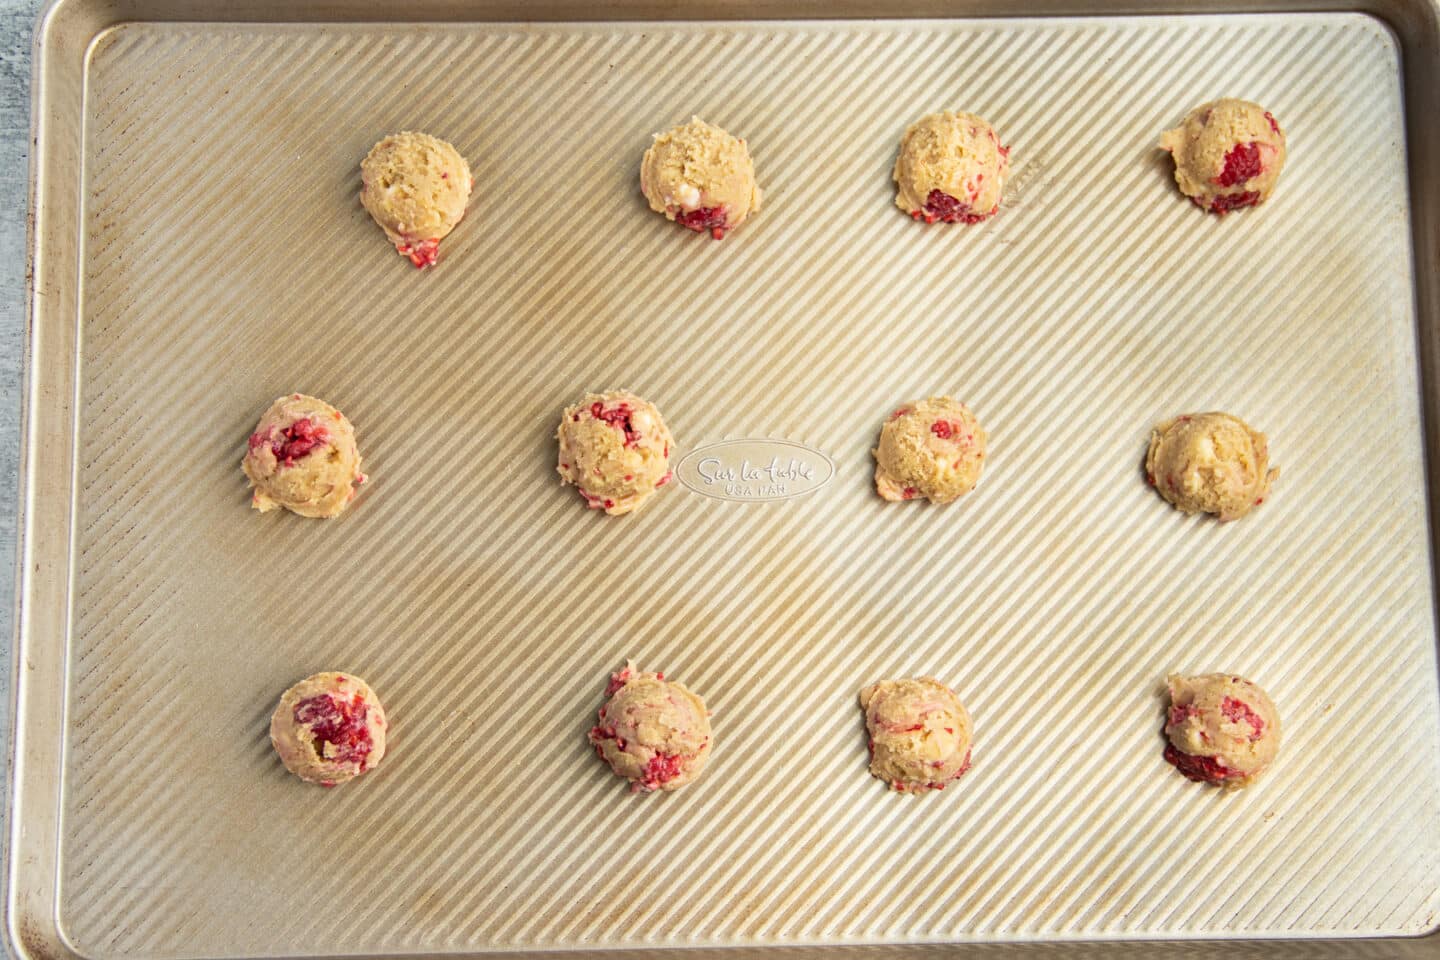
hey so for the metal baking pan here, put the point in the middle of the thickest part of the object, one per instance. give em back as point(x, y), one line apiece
point(198, 250)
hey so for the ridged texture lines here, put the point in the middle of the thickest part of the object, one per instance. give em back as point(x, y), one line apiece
point(228, 262)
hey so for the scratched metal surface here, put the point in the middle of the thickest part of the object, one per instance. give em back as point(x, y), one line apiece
point(225, 261)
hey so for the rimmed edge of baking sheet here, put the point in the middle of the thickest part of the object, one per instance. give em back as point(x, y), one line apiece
point(47, 455)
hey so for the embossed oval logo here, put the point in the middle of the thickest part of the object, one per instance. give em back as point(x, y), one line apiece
point(755, 470)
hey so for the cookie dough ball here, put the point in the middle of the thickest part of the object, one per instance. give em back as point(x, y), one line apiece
point(1228, 154)
point(615, 448)
point(701, 177)
point(1221, 728)
point(329, 728)
point(951, 167)
point(919, 733)
point(1210, 463)
point(416, 188)
point(933, 449)
point(652, 731)
point(303, 457)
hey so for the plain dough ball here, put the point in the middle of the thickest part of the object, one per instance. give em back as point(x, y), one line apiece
point(701, 177)
point(1210, 463)
point(329, 728)
point(1228, 154)
point(919, 733)
point(302, 456)
point(652, 731)
point(1221, 728)
point(933, 449)
point(416, 187)
point(951, 167)
point(615, 448)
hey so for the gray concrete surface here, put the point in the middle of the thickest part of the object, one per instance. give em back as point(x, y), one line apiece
point(17, 21)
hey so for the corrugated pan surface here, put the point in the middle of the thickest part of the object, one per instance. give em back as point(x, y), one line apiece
point(226, 261)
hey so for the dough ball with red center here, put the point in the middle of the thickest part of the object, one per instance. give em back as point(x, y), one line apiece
point(933, 448)
point(919, 733)
point(1221, 728)
point(1210, 463)
point(652, 731)
point(1228, 154)
point(615, 448)
point(952, 167)
point(329, 728)
point(701, 177)
point(302, 456)
point(416, 187)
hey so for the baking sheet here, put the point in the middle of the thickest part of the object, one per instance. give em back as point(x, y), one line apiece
point(225, 261)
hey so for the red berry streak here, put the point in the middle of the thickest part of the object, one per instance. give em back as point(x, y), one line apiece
point(661, 768)
point(619, 418)
point(422, 253)
point(711, 219)
point(1201, 769)
point(1226, 202)
point(1238, 711)
point(947, 208)
point(1179, 715)
point(617, 680)
point(1241, 164)
point(964, 767)
point(339, 722)
point(293, 442)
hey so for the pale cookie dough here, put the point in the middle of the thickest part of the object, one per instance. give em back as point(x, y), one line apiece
point(933, 449)
point(329, 728)
point(701, 177)
point(952, 167)
point(919, 733)
point(1228, 154)
point(1220, 729)
point(303, 457)
point(1210, 463)
point(615, 448)
point(416, 188)
point(652, 731)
